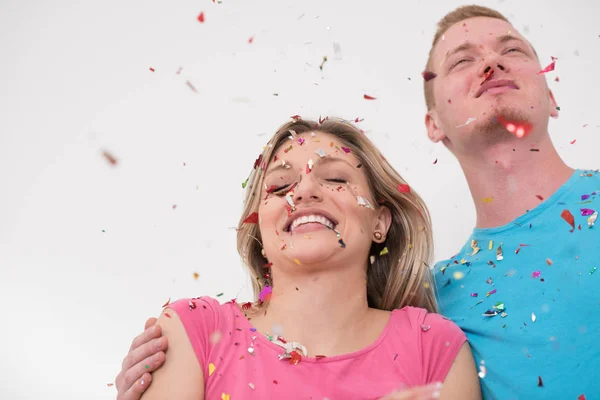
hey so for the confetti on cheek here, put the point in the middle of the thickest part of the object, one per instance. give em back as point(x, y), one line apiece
point(287, 149)
point(301, 141)
point(540, 198)
point(167, 315)
point(568, 217)
point(403, 188)
point(581, 397)
point(367, 97)
point(320, 152)
point(342, 244)
point(252, 218)
point(428, 75)
point(482, 370)
point(297, 261)
point(346, 149)
point(487, 200)
point(549, 68)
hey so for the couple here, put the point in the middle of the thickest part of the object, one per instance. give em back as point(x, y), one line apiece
point(339, 245)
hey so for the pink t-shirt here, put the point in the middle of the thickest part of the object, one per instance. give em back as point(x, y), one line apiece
point(415, 348)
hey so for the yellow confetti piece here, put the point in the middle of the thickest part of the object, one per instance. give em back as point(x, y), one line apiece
point(297, 261)
point(384, 251)
point(491, 245)
point(463, 261)
point(426, 284)
point(410, 246)
point(196, 275)
point(225, 396)
point(487, 200)
point(211, 369)
point(458, 275)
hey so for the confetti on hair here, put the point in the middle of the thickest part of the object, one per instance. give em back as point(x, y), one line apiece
point(367, 97)
point(167, 303)
point(518, 128)
point(252, 218)
point(550, 66)
point(346, 149)
point(568, 217)
point(372, 259)
point(384, 251)
point(491, 245)
point(191, 86)
point(323, 63)
point(265, 294)
point(201, 17)
point(358, 119)
point(247, 305)
point(192, 304)
point(428, 75)
point(110, 158)
point(320, 152)
point(403, 188)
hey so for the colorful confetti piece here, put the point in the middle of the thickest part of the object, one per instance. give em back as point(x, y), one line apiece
point(367, 97)
point(252, 218)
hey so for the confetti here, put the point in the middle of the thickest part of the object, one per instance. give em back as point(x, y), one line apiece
point(309, 165)
point(469, 120)
point(251, 40)
point(533, 317)
point(191, 86)
point(568, 217)
point(518, 128)
point(403, 188)
point(573, 141)
point(215, 337)
point(110, 384)
point(458, 275)
point(550, 67)
point(540, 198)
point(225, 396)
point(219, 294)
point(487, 76)
point(167, 315)
point(474, 247)
point(474, 294)
point(425, 328)
point(487, 200)
point(323, 63)
point(211, 369)
point(540, 383)
point(363, 202)
point(384, 251)
point(536, 274)
point(110, 158)
point(341, 242)
point(252, 218)
point(151, 69)
point(297, 261)
point(346, 149)
point(320, 152)
point(592, 219)
point(265, 294)
point(586, 212)
point(592, 270)
point(428, 75)
point(201, 17)
point(192, 305)
point(499, 306)
point(167, 303)
point(482, 370)
point(491, 292)
point(499, 256)
point(367, 97)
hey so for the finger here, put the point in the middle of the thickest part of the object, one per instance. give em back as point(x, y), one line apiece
point(133, 376)
point(144, 351)
point(149, 333)
point(137, 389)
point(149, 322)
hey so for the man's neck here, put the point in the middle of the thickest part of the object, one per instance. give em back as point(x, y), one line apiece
point(511, 178)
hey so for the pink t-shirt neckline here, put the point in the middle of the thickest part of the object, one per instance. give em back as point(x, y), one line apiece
point(324, 359)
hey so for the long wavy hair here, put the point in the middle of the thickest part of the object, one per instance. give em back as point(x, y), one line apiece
point(401, 277)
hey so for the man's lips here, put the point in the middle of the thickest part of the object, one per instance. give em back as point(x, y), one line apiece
point(495, 83)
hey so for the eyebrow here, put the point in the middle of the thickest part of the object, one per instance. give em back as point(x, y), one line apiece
point(320, 161)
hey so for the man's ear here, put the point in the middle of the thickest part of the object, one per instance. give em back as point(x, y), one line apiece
point(553, 105)
point(434, 132)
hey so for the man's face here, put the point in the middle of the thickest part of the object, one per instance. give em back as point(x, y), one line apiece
point(485, 69)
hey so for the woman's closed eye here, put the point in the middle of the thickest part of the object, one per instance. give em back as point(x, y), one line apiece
point(336, 180)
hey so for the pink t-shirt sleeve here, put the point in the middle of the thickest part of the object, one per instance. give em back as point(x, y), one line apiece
point(441, 339)
point(200, 318)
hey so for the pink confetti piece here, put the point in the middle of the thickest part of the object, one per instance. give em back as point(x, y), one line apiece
point(550, 67)
point(536, 274)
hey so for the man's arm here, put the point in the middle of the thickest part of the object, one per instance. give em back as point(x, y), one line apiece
point(181, 376)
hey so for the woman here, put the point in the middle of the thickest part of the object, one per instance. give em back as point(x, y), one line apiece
point(338, 246)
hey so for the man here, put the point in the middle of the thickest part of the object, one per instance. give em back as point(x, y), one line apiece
point(523, 287)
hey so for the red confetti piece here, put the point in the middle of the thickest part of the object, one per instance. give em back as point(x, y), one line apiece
point(192, 305)
point(275, 381)
point(296, 357)
point(573, 142)
point(296, 117)
point(151, 69)
point(367, 97)
point(322, 120)
point(167, 315)
point(518, 128)
point(167, 303)
point(268, 265)
point(358, 119)
point(581, 397)
point(567, 216)
point(201, 17)
point(110, 158)
point(252, 218)
point(403, 188)
point(435, 162)
point(251, 39)
point(247, 305)
point(288, 149)
point(539, 197)
point(428, 75)
point(191, 86)
point(549, 68)
point(112, 384)
point(257, 161)
point(487, 76)
point(540, 383)
point(307, 169)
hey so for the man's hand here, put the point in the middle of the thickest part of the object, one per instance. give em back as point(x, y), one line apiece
point(146, 355)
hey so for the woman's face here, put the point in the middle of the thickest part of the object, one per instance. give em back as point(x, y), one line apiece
point(316, 207)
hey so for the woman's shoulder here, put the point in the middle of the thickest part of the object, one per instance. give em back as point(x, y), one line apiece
point(421, 320)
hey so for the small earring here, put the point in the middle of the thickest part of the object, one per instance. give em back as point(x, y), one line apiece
point(378, 235)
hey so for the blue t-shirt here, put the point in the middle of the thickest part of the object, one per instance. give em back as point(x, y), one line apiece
point(527, 294)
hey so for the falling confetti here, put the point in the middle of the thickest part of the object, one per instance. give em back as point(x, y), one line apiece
point(568, 217)
point(191, 86)
point(586, 212)
point(536, 274)
point(110, 158)
point(196, 275)
point(167, 303)
point(151, 69)
point(550, 67)
point(533, 317)
point(518, 128)
point(367, 97)
point(540, 383)
point(428, 75)
point(323, 63)
point(251, 40)
point(491, 292)
point(252, 218)
point(573, 141)
point(403, 188)
point(201, 17)
point(474, 294)
point(320, 152)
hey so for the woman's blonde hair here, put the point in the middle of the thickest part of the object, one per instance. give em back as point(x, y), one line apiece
point(401, 277)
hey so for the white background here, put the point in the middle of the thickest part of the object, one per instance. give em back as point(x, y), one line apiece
point(89, 251)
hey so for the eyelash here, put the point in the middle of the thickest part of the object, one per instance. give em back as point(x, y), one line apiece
point(282, 190)
point(466, 59)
